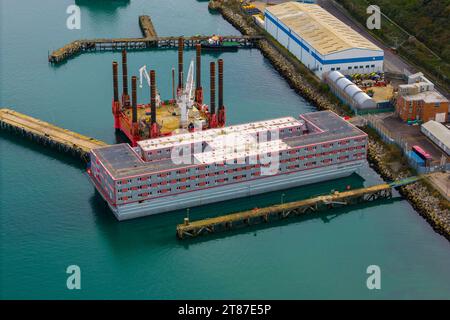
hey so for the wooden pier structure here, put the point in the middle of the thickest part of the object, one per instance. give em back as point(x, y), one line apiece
point(147, 28)
point(48, 134)
point(149, 40)
point(190, 229)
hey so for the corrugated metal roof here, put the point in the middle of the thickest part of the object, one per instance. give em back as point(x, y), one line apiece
point(319, 28)
point(352, 90)
point(439, 131)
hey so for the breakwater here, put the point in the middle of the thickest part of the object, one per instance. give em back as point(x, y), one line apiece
point(422, 197)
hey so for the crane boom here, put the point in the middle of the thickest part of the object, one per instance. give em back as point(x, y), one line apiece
point(143, 73)
point(189, 89)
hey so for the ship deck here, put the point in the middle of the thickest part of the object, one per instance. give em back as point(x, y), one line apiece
point(122, 161)
point(167, 116)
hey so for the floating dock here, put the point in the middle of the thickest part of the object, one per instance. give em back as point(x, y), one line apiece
point(149, 40)
point(48, 134)
point(281, 211)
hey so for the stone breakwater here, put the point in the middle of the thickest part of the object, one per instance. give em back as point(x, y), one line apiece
point(283, 63)
point(418, 194)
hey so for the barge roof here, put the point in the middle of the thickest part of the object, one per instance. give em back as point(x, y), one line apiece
point(122, 161)
point(212, 134)
point(330, 127)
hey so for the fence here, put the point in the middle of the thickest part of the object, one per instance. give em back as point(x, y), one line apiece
point(394, 138)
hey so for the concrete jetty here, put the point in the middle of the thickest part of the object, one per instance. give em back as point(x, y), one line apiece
point(48, 134)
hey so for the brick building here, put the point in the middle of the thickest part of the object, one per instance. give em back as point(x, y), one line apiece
point(418, 100)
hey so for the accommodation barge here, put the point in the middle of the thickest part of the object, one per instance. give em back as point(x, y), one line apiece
point(201, 167)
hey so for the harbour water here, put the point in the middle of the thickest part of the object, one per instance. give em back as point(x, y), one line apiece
point(51, 217)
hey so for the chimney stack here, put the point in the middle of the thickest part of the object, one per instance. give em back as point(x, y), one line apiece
point(180, 62)
point(153, 96)
point(220, 62)
point(212, 68)
point(198, 76)
point(198, 82)
point(124, 73)
point(133, 99)
point(115, 81)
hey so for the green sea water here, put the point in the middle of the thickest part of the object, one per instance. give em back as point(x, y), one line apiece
point(51, 217)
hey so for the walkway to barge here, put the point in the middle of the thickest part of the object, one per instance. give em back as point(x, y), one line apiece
point(48, 134)
point(282, 211)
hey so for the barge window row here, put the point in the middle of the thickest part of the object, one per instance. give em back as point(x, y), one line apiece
point(238, 169)
point(238, 177)
point(309, 165)
point(297, 151)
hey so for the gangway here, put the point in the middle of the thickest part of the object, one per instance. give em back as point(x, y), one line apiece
point(296, 208)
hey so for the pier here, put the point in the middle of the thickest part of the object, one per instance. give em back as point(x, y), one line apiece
point(148, 41)
point(117, 44)
point(48, 134)
point(282, 211)
point(148, 31)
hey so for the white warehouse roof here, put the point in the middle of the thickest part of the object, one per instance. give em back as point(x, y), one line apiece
point(319, 28)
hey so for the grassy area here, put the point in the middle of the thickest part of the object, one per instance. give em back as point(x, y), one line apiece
point(426, 20)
